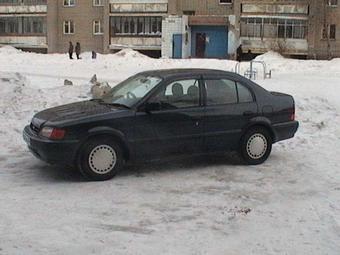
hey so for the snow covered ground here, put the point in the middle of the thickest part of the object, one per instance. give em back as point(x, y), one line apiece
point(289, 205)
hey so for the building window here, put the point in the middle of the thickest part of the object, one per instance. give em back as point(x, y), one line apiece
point(68, 27)
point(273, 28)
point(333, 3)
point(97, 27)
point(69, 3)
point(226, 1)
point(329, 32)
point(136, 26)
point(23, 25)
point(98, 3)
point(332, 31)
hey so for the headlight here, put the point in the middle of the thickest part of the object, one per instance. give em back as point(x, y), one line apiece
point(52, 133)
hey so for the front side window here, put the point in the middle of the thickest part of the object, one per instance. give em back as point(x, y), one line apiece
point(132, 90)
point(178, 94)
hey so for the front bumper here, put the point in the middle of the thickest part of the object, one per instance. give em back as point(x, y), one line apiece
point(53, 152)
point(285, 130)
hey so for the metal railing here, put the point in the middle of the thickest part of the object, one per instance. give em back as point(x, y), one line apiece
point(251, 72)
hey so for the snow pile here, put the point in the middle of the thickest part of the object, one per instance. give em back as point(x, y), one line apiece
point(289, 205)
point(130, 53)
point(9, 50)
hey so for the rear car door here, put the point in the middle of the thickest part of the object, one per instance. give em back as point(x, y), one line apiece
point(229, 106)
point(176, 127)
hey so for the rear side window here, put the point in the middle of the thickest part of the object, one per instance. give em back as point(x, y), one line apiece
point(244, 94)
point(221, 91)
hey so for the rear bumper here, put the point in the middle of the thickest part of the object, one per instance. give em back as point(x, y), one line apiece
point(53, 152)
point(285, 130)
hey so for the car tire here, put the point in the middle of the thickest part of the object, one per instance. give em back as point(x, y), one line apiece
point(100, 159)
point(255, 146)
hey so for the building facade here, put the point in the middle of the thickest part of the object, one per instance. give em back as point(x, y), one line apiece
point(175, 28)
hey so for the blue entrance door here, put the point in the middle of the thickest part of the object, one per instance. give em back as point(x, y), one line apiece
point(209, 41)
point(177, 46)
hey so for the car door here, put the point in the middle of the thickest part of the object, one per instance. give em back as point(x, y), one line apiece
point(229, 105)
point(174, 126)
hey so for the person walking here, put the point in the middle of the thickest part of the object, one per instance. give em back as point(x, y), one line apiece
point(70, 50)
point(78, 49)
point(239, 53)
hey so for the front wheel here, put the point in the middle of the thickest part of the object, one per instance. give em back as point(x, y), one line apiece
point(100, 159)
point(255, 146)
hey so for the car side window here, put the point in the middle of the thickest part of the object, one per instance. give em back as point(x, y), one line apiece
point(244, 94)
point(178, 94)
point(221, 91)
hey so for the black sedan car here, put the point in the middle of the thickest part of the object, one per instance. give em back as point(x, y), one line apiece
point(163, 113)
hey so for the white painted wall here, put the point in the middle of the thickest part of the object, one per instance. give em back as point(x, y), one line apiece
point(175, 25)
point(258, 45)
point(23, 9)
point(137, 43)
point(25, 41)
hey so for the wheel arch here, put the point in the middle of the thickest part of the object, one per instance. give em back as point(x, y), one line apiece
point(113, 134)
point(263, 123)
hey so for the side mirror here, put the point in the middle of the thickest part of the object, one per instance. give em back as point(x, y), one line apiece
point(151, 107)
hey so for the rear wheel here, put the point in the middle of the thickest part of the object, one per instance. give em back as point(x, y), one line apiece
point(255, 146)
point(100, 159)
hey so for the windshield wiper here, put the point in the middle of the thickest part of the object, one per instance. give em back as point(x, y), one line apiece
point(119, 105)
point(101, 101)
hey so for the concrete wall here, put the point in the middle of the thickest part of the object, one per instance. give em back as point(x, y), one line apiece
point(137, 43)
point(175, 25)
point(200, 7)
point(82, 14)
point(23, 9)
point(25, 41)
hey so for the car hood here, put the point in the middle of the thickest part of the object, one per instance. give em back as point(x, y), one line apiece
point(71, 112)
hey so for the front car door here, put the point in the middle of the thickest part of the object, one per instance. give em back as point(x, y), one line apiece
point(229, 107)
point(175, 128)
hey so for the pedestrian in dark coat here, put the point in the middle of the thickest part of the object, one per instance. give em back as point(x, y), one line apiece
point(70, 50)
point(78, 50)
point(239, 53)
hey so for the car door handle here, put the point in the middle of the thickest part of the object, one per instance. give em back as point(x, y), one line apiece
point(248, 113)
point(196, 118)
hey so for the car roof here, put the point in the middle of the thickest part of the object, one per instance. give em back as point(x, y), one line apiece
point(173, 73)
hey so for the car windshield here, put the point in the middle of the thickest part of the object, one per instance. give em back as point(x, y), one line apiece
point(130, 91)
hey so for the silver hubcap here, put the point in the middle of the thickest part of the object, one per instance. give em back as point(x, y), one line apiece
point(257, 146)
point(102, 159)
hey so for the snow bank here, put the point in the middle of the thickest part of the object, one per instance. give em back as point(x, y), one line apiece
point(9, 50)
point(130, 53)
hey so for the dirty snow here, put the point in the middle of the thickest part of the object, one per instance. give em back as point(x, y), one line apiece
point(212, 205)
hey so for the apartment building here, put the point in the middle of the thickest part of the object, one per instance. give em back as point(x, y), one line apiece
point(23, 24)
point(175, 28)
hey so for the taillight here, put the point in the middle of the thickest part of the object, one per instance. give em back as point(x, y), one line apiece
point(53, 133)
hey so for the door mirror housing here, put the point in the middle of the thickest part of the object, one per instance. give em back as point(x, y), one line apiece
point(152, 106)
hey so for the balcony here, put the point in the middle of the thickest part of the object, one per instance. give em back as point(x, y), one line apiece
point(23, 6)
point(24, 41)
point(136, 43)
point(141, 6)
